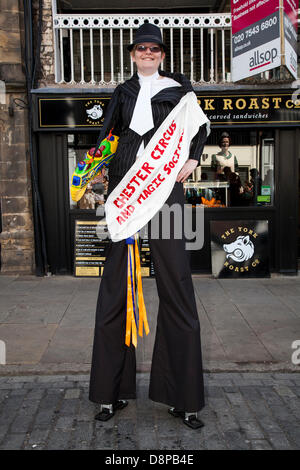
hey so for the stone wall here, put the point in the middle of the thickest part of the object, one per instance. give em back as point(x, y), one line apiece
point(46, 73)
point(17, 236)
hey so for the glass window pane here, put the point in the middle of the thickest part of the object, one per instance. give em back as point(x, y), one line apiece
point(237, 170)
point(84, 196)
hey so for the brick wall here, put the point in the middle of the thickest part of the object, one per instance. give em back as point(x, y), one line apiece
point(46, 76)
point(17, 236)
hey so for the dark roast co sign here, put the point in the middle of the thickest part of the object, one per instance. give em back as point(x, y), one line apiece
point(239, 248)
point(72, 112)
point(246, 109)
point(251, 108)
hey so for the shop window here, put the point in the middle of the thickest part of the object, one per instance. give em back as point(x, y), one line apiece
point(237, 170)
point(91, 195)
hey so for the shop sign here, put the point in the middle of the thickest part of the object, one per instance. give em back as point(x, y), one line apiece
point(268, 108)
point(264, 36)
point(240, 249)
point(255, 108)
point(72, 112)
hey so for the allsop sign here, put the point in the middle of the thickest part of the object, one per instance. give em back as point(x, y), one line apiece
point(264, 36)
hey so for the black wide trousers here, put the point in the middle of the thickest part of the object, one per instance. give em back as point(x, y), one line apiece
point(176, 373)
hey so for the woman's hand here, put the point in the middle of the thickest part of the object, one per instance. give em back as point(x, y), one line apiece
point(189, 166)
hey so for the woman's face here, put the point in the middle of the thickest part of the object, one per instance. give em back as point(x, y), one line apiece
point(147, 62)
point(225, 143)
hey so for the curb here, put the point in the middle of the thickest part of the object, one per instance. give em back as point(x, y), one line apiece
point(209, 367)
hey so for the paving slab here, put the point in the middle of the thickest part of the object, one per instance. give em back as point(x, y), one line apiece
point(35, 309)
point(79, 312)
point(21, 285)
point(70, 344)
point(25, 344)
point(279, 341)
point(6, 280)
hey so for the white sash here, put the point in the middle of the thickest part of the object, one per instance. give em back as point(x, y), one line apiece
point(149, 182)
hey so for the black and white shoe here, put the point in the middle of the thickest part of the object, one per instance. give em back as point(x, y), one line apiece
point(190, 419)
point(108, 411)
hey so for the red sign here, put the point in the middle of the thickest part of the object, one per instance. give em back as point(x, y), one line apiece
point(244, 13)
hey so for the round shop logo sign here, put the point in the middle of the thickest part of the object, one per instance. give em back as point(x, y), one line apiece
point(240, 250)
point(94, 113)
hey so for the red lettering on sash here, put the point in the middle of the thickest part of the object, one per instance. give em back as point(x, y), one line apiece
point(120, 201)
point(150, 188)
point(127, 212)
point(120, 220)
point(129, 186)
point(134, 179)
point(163, 143)
point(126, 193)
point(156, 157)
point(130, 209)
point(175, 160)
point(147, 167)
point(141, 176)
point(141, 197)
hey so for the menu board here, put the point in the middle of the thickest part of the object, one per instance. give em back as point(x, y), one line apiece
point(89, 250)
point(145, 256)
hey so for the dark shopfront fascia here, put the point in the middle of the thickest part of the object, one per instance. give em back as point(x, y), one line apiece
point(256, 120)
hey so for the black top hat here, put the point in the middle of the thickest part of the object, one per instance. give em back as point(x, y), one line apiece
point(147, 33)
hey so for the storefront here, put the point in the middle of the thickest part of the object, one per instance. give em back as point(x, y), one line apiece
point(256, 178)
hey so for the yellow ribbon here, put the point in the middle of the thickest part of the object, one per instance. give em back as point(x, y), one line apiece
point(130, 321)
point(133, 303)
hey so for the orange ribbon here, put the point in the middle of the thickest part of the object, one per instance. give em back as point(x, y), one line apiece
point(135, 304)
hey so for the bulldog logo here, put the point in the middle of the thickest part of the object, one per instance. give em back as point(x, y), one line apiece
point(240, 250)
point(95, 112)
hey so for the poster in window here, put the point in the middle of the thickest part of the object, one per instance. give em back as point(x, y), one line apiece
point(240, 248)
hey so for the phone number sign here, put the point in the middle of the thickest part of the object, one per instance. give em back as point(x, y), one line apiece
point(256, 36)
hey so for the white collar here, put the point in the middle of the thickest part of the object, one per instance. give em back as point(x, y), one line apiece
point(148, 78)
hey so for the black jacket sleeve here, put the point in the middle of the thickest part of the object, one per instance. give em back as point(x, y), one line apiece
point(198, 142)
point(111, 116)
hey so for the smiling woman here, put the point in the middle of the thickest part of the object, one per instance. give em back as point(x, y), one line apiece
point(147, 57)
point(138, 108)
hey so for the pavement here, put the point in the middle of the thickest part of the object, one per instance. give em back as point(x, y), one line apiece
point(244, 411)
point(250, 332)
point(47, 323)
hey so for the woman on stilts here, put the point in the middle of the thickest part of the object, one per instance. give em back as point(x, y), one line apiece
point(137, 109)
